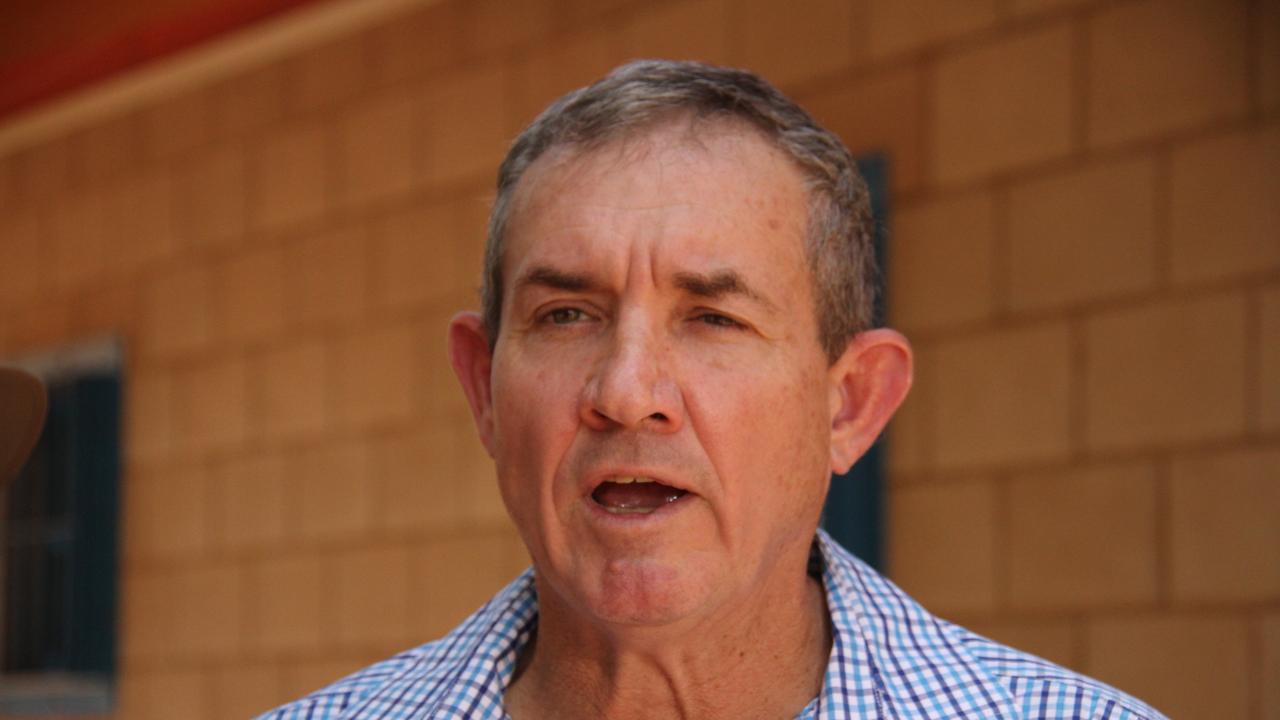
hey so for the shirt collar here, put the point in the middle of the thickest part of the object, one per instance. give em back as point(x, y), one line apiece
point(890, 657)
point(887, 653)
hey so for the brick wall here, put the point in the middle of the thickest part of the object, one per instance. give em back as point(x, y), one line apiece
point(1085, 251)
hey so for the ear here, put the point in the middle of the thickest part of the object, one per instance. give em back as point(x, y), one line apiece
point(472, 360)
point(868, 383)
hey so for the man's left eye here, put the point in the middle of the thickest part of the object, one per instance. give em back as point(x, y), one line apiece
point(717, 320)
point(564, 316)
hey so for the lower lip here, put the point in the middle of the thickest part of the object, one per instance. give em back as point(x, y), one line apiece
point(633, 519)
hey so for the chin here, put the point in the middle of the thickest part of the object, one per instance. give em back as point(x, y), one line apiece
point(648, 592)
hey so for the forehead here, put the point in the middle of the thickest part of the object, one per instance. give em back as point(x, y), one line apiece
point(713, 191)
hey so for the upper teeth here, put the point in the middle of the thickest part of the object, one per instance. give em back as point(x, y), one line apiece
point(628, 479)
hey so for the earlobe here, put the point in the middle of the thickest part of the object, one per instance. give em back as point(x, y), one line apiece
point(868, 383)
point(472, 362)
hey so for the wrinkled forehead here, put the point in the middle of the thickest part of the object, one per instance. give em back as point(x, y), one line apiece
point(668, 204)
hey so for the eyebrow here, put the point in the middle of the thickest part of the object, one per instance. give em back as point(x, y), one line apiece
point(712, 285)
point(547, 276)
point(718, 284)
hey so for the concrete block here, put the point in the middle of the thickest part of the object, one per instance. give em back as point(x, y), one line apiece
point(1083, 538)
point(378, 143)
point(1267, 77)
point(1165, 65)
point(493, 27)
point(419, 484)
point(249, 502)
point(209, 611)
point(897, 26)
point(248, 296)
point(106, 148)
point(418, 256)
point(453, 576)
point(139, 232)
point(176, 124)
point(1003, 397)
point(372, 596)
point(375, 381)
point(211, 405)
point(941, 263)
point(148, 411)
point(25, 268)
point(286, 608)
point(1223, 526)
point(766, 34)
point(1187, 666)
point(465, 115)
point(1032, 7)
point(942, 544)
point(211, 196)
point(1225, 220)
point(326, 75)
point(248, 101)
point(245, 689)
point(1004, 105)
point(1270, 665)
point(326, 278)
point(418, 42)
point(78, 235)
point(1268, 394)
point(692, 30)
point(290, 171)
point(161, 693)
point(168, 513)
point(328, 488)
point(291, 390)
point(1166, 372)
point(1082, 235)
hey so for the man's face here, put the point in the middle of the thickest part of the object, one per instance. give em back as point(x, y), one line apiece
point(661, 408)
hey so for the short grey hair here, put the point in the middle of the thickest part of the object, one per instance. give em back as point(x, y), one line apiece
point(639, 95)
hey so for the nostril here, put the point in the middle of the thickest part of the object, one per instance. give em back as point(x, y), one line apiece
point(659, 416)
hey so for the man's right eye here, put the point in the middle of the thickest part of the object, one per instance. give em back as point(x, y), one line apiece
point(565, 316)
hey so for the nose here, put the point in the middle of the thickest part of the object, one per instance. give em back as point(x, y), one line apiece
point(631, 387)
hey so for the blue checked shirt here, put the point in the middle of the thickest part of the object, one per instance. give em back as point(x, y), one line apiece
point(890, 660)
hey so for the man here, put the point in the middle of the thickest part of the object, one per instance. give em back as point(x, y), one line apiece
point(674, 355)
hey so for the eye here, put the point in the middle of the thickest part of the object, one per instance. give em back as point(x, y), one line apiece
point(720, 321)
point(564, 316)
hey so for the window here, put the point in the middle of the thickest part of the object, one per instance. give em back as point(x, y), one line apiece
point(59, 544)
point(854, 511)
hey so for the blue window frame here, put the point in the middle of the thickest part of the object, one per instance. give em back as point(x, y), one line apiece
point(59, 539)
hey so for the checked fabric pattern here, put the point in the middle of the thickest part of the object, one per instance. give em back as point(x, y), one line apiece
point(890, 660)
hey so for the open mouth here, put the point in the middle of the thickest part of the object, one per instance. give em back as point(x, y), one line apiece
point(634, 495)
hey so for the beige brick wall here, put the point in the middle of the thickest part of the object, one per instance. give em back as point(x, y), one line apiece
point(1085, 251)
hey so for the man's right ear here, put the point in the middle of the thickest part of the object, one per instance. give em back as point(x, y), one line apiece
point(472, 361)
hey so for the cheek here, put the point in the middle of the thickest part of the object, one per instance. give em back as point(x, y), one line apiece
point(766, 432)
point(525, 394)
point(534, 411)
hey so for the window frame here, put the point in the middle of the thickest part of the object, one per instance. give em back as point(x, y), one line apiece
point(78, 678)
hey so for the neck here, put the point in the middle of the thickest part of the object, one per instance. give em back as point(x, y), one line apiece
point(762, 656)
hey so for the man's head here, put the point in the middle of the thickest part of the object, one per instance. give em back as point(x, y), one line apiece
point(663, 404)
point(635, 97)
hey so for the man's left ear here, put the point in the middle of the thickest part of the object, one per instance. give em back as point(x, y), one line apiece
point(472, 362)
point(867, 384)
